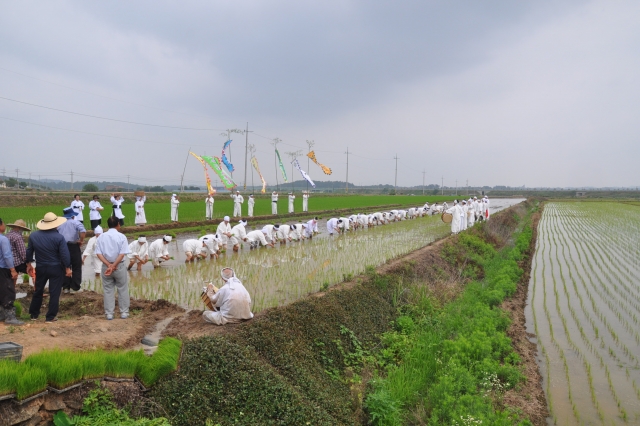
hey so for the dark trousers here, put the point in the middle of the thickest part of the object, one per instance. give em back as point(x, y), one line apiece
point(55, 275)
point(95, 223)
point(7, 290)
point(74, 281)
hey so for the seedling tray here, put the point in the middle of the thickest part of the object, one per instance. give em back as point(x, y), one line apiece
point(118, 379)
point(10, 350)
point(68, 388)
point(9, 396)
point(31, 398)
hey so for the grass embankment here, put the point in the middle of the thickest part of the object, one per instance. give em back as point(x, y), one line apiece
point(159, 213)
point(63, 368)
point(436, 347)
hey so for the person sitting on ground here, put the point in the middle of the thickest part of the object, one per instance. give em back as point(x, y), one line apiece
point(159, 250)
point(90, 251)
point(139, 253)
point(232, 301)
point(257, 238)
point(193, 249)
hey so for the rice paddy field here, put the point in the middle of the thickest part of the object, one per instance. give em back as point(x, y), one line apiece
point(158, 213)
point(584, 307)
point(276, 277)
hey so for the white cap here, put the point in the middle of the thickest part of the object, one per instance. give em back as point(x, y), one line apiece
point(167, 238)
point(98, 230)
point(226, 219)
point(173, 195)
point(142, 239)
point(244, 222)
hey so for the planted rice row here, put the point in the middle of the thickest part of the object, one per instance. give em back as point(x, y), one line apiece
point(63, 368)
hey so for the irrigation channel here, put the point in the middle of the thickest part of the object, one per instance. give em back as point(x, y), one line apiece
point(584, 307)
point(278, 276)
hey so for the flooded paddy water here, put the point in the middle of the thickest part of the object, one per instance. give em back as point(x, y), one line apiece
point(277, 276)
point(584, 307)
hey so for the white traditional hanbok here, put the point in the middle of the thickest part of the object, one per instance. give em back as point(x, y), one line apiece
point(90, 252)
point(291, 198)
point(274, 203)
point(456, 213)
point(141, 217)
point(175, 203)
point(250, 204)
point(208, 203)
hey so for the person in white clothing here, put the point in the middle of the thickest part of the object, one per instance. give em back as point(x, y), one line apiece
point(291, 199)
point(297, 231)
point(94, 212)
point(116, 201)
point(485, 207)
point(346, 223)
point(250, 204)
point(78, 207)
point(274, 202)
point(90, 251)
point(305, 201)
point(224, 231)
point(141, 217)
point(334, 225)
point(456, 213)
point(308, 229)
point(238, 235)
point(175, 205)
point(232, 302)
point(237, 204)
point(284, 234)
point(478, 205)
point(193, 249)
point(159, 250)
point(139, 253)
point(463, 215)
point(270, 232)
point(257, 238)
point(212, 244)
point(208, 202)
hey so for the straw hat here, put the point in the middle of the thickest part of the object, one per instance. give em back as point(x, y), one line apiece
point(20, 224)
point(50, 221)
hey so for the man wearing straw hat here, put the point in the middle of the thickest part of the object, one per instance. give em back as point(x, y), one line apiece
point(54, 263)
point(232, 303)
point(18, 249)
point(8, 275)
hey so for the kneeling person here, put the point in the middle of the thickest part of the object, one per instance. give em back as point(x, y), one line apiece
point(232, 302)
point(257, 238)
point(192, 249)
point(139, 253)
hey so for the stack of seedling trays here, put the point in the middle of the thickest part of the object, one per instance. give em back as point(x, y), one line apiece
point(62, 370)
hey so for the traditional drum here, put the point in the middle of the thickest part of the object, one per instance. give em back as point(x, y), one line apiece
point(447, 217)
point(206, 300)
point(139, 193)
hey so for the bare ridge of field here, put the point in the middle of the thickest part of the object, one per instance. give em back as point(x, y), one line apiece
point(190, 211)
point(584, 306)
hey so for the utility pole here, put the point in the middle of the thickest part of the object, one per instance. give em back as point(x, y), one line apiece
point(252, 149)
point(275, 143)
point(423, 173)
point(310, 144)
point(442, 185)
point(246, 150)
point(29, 180)
point(18, 175)
point(396, 181)
point(347, 168)
point(72, 180)
point(467, 187)
point(456, 187)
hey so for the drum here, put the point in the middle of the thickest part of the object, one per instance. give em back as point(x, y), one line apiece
point(447, 217)
point(139, 193)
point(208, 303)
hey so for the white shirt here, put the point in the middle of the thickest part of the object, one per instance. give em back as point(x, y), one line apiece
point(111, 244)
point(137, 249)
point(90, 249)
point(94, 214)
point(233, 300)
point(251, 201)
point(238, 199)
point(257, 236)
point(78, 207)
point(270, 233)
point(209, 201)
point(274, 197)
point(212, 240)
point(158, 248)
point(239, 232)
point(223, 228)
point(194, 246)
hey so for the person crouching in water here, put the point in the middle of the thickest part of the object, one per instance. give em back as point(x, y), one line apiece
point(232, 302)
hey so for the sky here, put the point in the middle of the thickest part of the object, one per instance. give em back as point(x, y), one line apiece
point(538, 93)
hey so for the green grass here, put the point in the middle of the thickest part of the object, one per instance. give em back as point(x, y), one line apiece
point(158, 213)
point(63, 368)
point(123, 364)
point(161, 363)
point(8, 377)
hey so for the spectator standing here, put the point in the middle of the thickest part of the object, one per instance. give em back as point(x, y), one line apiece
point(18, 249)
point(274, 202)
point(111, 248)
point(78, 207)
point(8, 275)
point(116, 202)
point(305, 201)
point(141, 217)
point(94, 212)
point(251, 203)
point(208, 202)
point(54, 263)
point(73, 233)
point(90, 251)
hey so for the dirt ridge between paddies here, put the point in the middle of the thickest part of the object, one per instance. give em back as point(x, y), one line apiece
point(294, 364)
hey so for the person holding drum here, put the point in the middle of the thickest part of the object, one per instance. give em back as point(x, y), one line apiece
point(230, 304)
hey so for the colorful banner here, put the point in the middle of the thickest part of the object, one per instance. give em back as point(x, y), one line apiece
point(211, 190)
point(303, 173)
point(216, 165)
point(254, 162)
point(325, 169)
point(224, 157)
point(284, 174)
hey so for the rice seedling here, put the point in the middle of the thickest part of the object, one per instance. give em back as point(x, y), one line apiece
point(94, 364)
point(122, 364)
point(162, 362)
point(63, 368)
point(8, 377)
point(31, 381)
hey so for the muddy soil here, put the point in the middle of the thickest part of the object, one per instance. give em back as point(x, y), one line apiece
point(82, 325)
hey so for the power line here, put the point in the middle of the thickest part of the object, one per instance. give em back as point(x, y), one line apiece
point(105, 118)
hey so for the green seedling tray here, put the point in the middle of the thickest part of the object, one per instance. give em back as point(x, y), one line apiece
point(31, 398)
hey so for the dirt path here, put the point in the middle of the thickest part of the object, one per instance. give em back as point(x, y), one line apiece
point(82, 325)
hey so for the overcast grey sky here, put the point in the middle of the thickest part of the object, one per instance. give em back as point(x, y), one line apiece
point(538, 93)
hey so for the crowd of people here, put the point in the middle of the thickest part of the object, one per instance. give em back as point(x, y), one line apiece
point(57, 246)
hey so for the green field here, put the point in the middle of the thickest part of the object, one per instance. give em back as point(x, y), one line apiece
point(158, 213)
